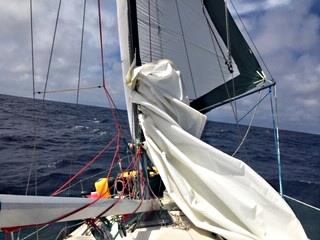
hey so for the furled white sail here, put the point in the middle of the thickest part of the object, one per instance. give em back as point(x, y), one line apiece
point(217, 192)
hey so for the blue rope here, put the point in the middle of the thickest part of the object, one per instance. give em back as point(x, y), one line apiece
point(276, 138)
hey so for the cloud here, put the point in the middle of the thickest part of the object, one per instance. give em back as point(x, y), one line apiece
point(286, 32)
point(252, 6)
point(16, 78)
point(287, 35)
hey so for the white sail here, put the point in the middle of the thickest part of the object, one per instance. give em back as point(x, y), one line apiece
point(31, 210)
point(217, 192)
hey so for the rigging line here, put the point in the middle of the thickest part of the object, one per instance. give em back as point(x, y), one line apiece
point(274, 111)
point(134, 161)
point(253, 107)
point(32, 50)
point(145, 55)
point(58, 237)
point(142, 4)
point(111, 102)
point(219, 63)
point(237, 97)
point(78, 90)
point(33, 93)
point(229, 61)
point(159, 28)
point(33, 163)
point(177, 36)
point(101, 44)
point(227, 30)
point(114, 111)
point(51, 51)
point(251, 40)
point(233, 106)
point(33, 233)
point(301, 202)
point(88, 164)
point(156, 49)
point(11, 229)
point(187, 7)
point(68, 214)
point(69, 89)
point(109, 97)
point(81, 48)
point(211, 30)
point(249, 126)
point(190, 7)
point(235, 102)
point(144, 14)
point(143, 23)
point(89, 177)
point(150, 45)
point(173, 33)
point(186, 49)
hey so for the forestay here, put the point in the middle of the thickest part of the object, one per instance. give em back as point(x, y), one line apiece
point(217, 192)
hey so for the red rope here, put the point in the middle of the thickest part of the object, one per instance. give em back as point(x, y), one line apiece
point(135, 160)
point(108, 95)
point(142, 181)
point(95, 158)
point(15, 228)
point(112, 104)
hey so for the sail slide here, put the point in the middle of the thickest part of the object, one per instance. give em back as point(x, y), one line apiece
point(217, 192)
point(17, 211)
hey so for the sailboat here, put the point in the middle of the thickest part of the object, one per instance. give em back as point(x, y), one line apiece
point(180, 59)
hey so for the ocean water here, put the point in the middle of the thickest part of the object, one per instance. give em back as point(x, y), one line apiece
point(56, 139)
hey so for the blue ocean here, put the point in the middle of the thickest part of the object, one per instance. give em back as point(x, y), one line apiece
point(56, 139)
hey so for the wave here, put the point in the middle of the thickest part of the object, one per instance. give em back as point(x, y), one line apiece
point(80, 127)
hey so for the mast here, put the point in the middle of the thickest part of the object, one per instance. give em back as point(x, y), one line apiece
point(134, 54)
point(129, 44)
point(134, 49)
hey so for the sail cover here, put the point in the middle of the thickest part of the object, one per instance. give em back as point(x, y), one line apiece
point(215, 61)
point(217, 192)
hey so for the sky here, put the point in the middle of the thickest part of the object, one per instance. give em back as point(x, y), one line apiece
point(286, 32)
